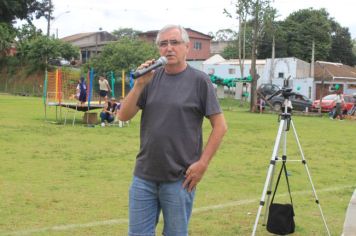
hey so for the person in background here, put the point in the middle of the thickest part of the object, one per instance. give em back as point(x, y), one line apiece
point(174, 100)
point(104, 89)
point(81, 91)
point(261, 104)
point(339, 101)
point(109, 112)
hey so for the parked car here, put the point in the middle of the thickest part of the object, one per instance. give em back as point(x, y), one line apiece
point(328, 103)
point(58, 62)
point(268, 89)
point(299, 102)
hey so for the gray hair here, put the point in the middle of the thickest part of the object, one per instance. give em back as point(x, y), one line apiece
point(183, 32)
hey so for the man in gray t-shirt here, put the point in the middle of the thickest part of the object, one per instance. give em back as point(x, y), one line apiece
point(173, 108)
point(174, 100)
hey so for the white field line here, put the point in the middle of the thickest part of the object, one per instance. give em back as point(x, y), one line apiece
point(125, 220)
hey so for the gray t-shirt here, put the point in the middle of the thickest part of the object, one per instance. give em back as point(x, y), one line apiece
point(173, 109)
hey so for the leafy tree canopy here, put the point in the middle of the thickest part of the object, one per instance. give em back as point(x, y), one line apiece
point(125, 54)
point(7, 34)
point(305, 26)
point(11, 10)
point(36, 51)
point(295, 35)
point(224, 35)
point(126, 33)
point(341, 46)
point(27, 32)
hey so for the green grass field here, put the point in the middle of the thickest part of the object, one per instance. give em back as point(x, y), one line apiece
point(65, 180)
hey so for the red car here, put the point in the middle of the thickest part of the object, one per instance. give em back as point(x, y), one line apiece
point(328, 103)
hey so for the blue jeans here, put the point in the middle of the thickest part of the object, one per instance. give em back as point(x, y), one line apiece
point(148, 198)
point(106, 117)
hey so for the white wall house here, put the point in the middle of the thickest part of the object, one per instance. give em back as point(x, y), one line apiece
point(230, 68)
point(298, 72)
point(220, 67)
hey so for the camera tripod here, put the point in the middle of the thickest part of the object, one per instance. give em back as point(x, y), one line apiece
point(285, 124)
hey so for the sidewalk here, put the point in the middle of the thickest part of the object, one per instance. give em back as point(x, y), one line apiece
point(350, 218)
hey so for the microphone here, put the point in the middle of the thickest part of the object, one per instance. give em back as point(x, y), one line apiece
point(160, 62)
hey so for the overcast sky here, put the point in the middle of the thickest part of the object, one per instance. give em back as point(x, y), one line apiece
point(78, 16)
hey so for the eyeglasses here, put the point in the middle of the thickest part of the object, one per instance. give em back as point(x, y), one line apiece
point(173, 43)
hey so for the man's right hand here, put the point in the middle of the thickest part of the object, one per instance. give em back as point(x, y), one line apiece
point(145, 79)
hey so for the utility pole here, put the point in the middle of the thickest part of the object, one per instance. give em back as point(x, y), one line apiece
point(49, 17)
point(96, 43)
point(312, 60)
point(322, 87)
point(271, 74)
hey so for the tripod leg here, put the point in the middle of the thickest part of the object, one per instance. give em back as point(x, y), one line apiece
point(309, 176)
point(269, 174)
point(269, 191)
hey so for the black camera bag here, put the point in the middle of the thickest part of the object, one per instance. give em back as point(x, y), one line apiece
point(281, 216)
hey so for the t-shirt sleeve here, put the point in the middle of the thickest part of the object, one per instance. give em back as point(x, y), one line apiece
point(141, 102)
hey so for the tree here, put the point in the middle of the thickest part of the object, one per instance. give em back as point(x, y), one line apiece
point(27, 32)
point(270, 27)
point(305, 27)
point(125, 54)
point(36, 51)
point(126, 33)
point(258, 9)
point(20, 9)
point(7, 34)
point(341, 45)
point(224, 35)
point(265, 46)
point(232, 51)
point(67, 50)
point(300, 30)
point(24, 35)
point(242, 12)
